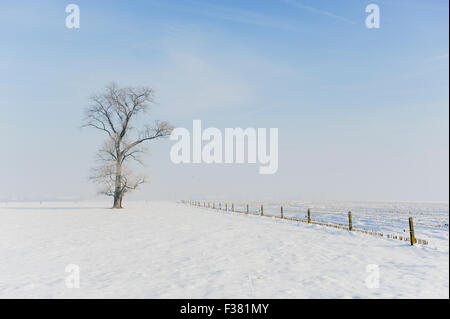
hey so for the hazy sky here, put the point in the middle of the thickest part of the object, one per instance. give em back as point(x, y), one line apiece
point(363, 114)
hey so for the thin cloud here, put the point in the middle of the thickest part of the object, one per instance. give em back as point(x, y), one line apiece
point(300, 5)
point(251, 18)
point(243, 16)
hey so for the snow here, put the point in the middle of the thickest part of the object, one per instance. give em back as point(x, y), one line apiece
point(171, 250)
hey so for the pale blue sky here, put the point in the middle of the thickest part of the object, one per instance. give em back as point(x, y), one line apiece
point(362, 114)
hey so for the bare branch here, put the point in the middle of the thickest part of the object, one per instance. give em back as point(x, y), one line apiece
point(161, 129)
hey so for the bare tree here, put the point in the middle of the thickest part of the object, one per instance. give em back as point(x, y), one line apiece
point(114, 112)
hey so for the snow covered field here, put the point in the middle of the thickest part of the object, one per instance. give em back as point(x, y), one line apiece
point(170, 250)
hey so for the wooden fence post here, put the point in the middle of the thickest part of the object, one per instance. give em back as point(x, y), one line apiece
point(247, 209)
point(262, 210)
point(232, 208)
point(411, 231)
point(350, 224)
point(282, 215)
point(309, 216)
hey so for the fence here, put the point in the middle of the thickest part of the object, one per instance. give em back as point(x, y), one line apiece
point(218, 206)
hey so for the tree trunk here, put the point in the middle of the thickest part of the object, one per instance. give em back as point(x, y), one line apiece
point(118, 192)
point(118, 199)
